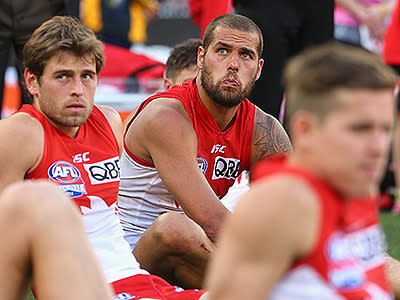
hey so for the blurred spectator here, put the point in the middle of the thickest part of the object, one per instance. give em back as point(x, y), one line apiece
point(362, 22)
point(204, 11)
point(288, 26)
point(142, 12)
point(119, 22)
point(18, 19)
point(182, 63)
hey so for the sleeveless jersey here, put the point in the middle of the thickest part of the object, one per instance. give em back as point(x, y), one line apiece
point(347, 260)
point(221, 155)
point(86, 168)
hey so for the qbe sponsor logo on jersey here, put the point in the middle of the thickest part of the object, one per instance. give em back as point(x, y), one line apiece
point(368, 245)
point(203, 164)
point(103, 171)
point(68, 178)
point(225, 168)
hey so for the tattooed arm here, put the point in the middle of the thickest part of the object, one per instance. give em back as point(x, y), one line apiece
point(269, 137)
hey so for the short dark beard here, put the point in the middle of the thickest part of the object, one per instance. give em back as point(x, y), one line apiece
point(226, 97)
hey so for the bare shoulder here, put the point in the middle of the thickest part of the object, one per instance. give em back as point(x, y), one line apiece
point(114, 119)
point(23, 149)
point(300, 195)
point(162, 125)
point(294, 211)
point(111, 114)
point(269, 137)
point(165, 115)
point(170, 106)
point(271, 227)
point(21, 126)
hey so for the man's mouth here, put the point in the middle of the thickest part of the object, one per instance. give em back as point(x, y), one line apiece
point(230, 82)
point(76, 106)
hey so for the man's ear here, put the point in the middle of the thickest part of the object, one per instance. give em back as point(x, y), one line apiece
point(303, 126)
point(168, 83)
point(260, 66)
point(200, 57)
point(31, 82)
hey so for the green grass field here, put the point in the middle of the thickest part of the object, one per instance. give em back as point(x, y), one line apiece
point(391, 226)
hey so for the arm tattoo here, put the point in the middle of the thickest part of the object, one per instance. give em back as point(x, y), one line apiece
point(269, 137)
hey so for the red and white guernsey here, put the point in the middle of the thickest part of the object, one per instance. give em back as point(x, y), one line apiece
point(221, 155)
point(86, 168)
point(347, 261)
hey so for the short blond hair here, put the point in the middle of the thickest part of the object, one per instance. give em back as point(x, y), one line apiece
point(312, 77)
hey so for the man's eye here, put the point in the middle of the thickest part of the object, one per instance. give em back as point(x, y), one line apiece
point(361, 127)
point(87, 76)
point(222, 51)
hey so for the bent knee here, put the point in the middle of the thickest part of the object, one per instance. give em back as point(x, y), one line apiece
point(166, 229)
point(176, 231)
point(26, 201)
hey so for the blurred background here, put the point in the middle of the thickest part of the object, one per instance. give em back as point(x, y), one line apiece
point(138, 36)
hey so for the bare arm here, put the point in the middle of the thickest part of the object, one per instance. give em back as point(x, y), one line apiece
point(254, 253)
point(269, 137)
point(114, 119)
point(21, 147)
point(163, 134)
point(393, 274)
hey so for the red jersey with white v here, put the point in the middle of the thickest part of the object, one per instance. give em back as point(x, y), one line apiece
point(84, 166)
point(221, 155)
point(348, 257)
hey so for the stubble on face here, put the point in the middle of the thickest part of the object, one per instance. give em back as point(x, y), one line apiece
point(74, 119)
point(57, 112)
point(64, 108)
point(225, 95)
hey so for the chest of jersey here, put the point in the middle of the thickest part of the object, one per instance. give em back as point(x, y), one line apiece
point(221, 155)
point(221, 159)
point(83, 167)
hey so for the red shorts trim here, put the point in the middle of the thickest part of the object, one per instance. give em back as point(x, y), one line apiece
point(151, 286)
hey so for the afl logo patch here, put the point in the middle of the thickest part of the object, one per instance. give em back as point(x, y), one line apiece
point(64, 172)
point(202, 163)
point(68, 178)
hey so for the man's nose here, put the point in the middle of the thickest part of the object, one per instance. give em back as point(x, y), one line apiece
point(77, 86)
point(234, 62)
